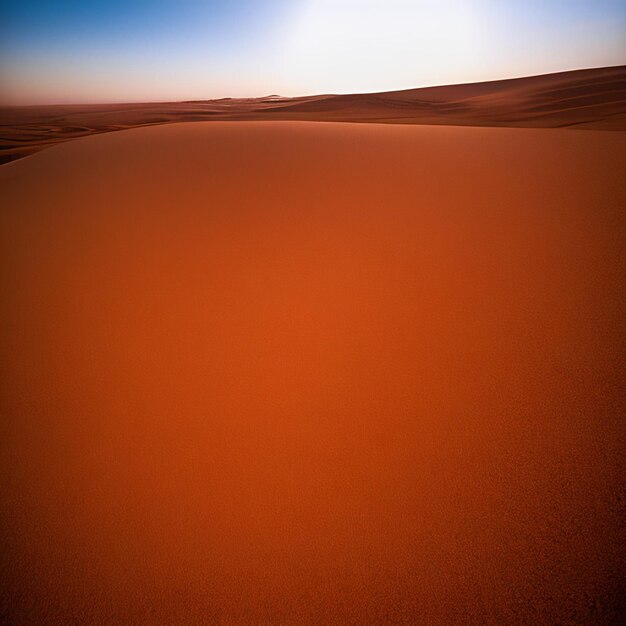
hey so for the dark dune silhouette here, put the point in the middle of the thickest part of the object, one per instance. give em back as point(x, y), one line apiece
point(592, 99)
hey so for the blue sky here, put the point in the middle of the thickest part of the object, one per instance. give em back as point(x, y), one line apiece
point(134, 50)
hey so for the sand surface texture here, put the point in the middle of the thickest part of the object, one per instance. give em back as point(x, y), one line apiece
point(593, 99)
point(315, 374)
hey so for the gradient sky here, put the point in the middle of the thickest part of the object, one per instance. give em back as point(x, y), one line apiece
point(145, 50)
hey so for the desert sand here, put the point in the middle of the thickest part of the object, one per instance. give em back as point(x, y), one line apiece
point(591, 99)
point(313, 373)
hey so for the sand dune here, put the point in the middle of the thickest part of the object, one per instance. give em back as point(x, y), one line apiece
point(314, 373)
point(594, 98)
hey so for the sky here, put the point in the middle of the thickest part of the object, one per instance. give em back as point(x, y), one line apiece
point(97, 51)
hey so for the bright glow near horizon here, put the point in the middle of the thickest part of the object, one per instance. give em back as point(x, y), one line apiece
point(134, 50)
point(341, 45)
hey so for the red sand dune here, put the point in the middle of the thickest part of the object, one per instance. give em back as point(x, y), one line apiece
point(593, 98)
point(314, 373)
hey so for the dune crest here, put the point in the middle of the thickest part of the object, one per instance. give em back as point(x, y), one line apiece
point(591, 99)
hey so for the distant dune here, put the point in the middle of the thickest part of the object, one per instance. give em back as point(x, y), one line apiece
point(592, 99)
point(304, 373)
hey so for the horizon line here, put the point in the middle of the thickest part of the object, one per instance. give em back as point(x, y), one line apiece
point(312, 95)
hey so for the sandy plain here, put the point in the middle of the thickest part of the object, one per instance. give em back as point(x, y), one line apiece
point(298, 372)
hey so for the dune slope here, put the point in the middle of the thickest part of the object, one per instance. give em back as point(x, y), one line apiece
point(314, 373)
point(592, 98)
